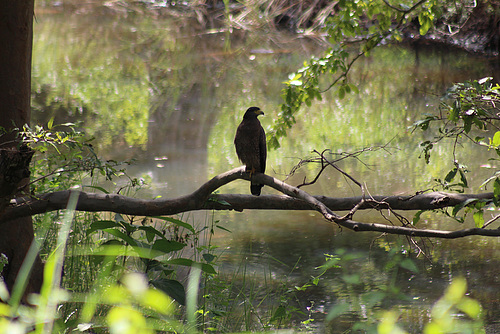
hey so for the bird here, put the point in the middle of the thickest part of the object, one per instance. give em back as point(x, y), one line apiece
point(250, 144)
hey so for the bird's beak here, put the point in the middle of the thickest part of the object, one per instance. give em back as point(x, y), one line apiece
point(259, 112)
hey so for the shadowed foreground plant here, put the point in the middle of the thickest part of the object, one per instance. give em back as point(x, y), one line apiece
point(454, 312)
point(131, 305)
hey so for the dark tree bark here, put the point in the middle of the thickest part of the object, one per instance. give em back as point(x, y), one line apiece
point(293, 199)
point(16, 36)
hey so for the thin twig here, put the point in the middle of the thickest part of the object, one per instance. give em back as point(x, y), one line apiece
point(491, 221)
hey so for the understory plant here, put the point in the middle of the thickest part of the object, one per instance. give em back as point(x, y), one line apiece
point(90, 257)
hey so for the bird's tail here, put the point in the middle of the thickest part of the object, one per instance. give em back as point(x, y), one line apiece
point(255, 189)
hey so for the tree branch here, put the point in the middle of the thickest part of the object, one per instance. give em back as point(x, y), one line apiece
point(293, 199)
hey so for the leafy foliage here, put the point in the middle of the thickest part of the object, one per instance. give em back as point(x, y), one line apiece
point(468, 111)
point(155, 255)
point(377, 296)
point(101, 255)
point(65, 156)
point(71, 83)
point(365, 23)
point(453, 312)
point(466, 107)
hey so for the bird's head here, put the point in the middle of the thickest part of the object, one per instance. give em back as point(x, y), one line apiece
point(253, 112)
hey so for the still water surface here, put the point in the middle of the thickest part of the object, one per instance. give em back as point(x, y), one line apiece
point(170, 94)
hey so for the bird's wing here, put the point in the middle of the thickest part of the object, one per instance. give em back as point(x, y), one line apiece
point(262, 150)
point(238, 142)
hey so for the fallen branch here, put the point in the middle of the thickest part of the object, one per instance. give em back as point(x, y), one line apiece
point(293, 199)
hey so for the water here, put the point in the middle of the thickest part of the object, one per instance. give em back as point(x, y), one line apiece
point(170, 94)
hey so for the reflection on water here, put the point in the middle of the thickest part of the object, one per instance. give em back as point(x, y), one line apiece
point(171, 96)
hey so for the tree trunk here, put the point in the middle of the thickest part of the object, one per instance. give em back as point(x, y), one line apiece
point(16, 36)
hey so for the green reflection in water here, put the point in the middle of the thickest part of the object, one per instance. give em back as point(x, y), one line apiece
point(91, 69)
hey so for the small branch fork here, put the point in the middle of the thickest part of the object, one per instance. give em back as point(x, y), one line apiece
point(378, 204)
point(294, 199)
point(325, 162)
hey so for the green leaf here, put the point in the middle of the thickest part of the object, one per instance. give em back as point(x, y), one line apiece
point(119, 218)
point(167, 246)
point(468, 123)
point(373, 297)
point(157, 300)
point(471, 307)
point(102, 225)
point(331, 263)
point(295, 76)
point(457, 208)
point(337, 310)
point(151, 232)
point(318, 95)
point(463, 178)
point(451, 175)
point(207, 268)
point(416, 217)
point(423, 123)
point(456, 290)
point(279, 314)
point(98, 188)
point(50, 123)
point(154, 265)
point(341, 92)
point(177, 222)
point(408, 264)
point(481, 125)
point(351, 279)
point(460, 206)
point(484, 81)
point(354, 88)
point(172, 288)
point(454, 112)
point(425, 20)
point(479, 218)
point(119, 234)
point(217, 200)
point(180, 261)
point(129, 228)
point(223, 228)
point(208, 257)
point(496, 139)
point(496, 190)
